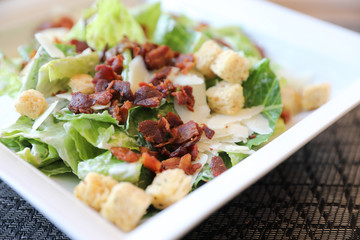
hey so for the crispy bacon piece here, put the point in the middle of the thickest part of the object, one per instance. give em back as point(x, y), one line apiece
point(159, 57)
point(123, 90)
point(125, 154)
point(187, 166)
point(101, 98)
point(148, 96)
point(161, 76)
point(185, 97)
point(120, 113)
point(101, 85)
point(151, 162)
point(148, 150)
point(217, 166)
point(194, 152)
point(80, 46)
point(187, 132)
point(185, 62)
point(81, 103)
point(152, 132)
point(173, 119)
point(116, 63)
point(180, 151)
point(104, 72)
point(285, 114)
point(171, 163)
point(209, 133)
point(166, 87)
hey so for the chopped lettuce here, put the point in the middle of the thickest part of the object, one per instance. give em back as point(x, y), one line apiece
point(55, 168)
point(67, 115)
point(10, 82)
point(177, 36)
point(147, 16)
point(107, 164)
point(54, 75)
point(106, 25)
point(262, 88)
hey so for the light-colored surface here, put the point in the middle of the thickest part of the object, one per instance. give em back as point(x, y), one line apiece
point(297, 42)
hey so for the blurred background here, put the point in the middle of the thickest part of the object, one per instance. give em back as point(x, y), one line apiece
point(345, 13)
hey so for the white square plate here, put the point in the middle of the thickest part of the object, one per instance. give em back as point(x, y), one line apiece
point(298, 42)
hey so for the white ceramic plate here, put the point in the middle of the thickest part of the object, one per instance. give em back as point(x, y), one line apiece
point(300, 43)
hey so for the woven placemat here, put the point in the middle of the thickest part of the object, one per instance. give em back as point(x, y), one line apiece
point(315, 194)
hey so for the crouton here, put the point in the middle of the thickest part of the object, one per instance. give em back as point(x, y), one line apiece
point(31, 103)
point(231, 67)
point(315, 95)
point(82, 83)
point(169, 187)
point(94, 189)
point(226, 98)
point(126, 205)
point(291, 100)
point(205, 56)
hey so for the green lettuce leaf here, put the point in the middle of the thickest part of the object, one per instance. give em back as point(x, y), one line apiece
point(177, 36)
point(262, 88)
point(127, 59)
point(147, 16)
point(10, 82)
point(67, 115)
point(110, 24)
point(55, 168)
point(78, 31)
point(54, 75)
point(107, 164)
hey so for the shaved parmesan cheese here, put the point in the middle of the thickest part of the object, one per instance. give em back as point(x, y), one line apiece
point(44, 116)
point(138, 73)
point(258, 124)
point(100, 107)
point(66, 96)
point(46, 40)
point(188, 79)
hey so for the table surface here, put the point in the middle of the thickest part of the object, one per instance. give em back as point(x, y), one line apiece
point(315, 194)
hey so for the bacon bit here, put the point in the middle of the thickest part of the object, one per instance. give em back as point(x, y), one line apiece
point(148, 150)
point(163, 123)
point(151, 162)
point(151, 131)
point(173, 119)
point(187, 166)
point(125, 154)
point(80, 46)
point(180, 151)
point(122, 89)
point(187, 131)
point(171, 163)
point(166, 87)
point(116, 63)
point(101, 85)
point(209, 133)
point(148, 96)
point(159, 57)
point(104, 72)
point(81, 103)
point(101, 98)
point(33, 53)
point(185, 62)
point(160, 76)
point(194, 151)
point(217, 166)
point(185, 97)
point(64, 22)
point(252, 136)
point(120, 113)
point(285, 114)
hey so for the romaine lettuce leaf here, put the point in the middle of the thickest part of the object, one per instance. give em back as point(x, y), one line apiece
point(54, 75)
point(147, 16)
point(10, 82)
point(262, 88)
point(107, 164)
point(110, 24)
point(67, 115)
point(177, 36)
point(55, 168)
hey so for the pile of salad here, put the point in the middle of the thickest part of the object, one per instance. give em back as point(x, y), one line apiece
point(126, 93)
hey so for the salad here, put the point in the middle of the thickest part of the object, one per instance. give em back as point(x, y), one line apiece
point(142, 105)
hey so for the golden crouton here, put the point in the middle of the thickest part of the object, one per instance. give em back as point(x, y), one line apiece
point(82, 83)
point(226, 98)
point(291, 100)
point(315, 95)
point(231, 67)
point(169, 187)
point(126, 205)
point(94, 189)
point(31, 103)
point(204, 57)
